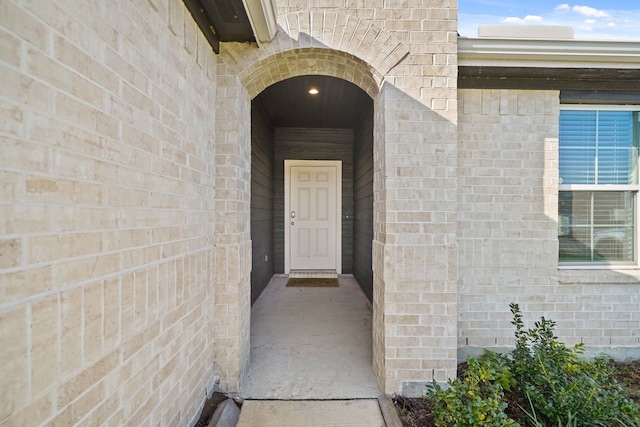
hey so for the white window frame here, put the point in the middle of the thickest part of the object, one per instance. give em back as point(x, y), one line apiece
point(635, 264)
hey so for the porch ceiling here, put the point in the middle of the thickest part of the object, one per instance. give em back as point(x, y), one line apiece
point(338, 103)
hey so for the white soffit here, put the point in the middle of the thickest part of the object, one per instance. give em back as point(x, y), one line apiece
point(526, 31)
point(560, 53)
point(262, 17)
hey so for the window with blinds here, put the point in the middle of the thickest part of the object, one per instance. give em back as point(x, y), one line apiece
point(598, 160)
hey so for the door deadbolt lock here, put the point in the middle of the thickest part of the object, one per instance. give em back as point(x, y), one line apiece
point(291, 222)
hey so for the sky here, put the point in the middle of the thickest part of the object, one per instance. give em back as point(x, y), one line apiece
point(590, 19)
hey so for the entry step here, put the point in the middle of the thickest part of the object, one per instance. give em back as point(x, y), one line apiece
point(313, 273)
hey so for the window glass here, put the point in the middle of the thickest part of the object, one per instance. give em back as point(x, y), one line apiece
point(596, 226)
point(598, 152)
point(597, 147)
point(577, 147)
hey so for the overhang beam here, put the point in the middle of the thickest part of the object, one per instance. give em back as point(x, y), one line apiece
point(243, 21)
point(544, 78)
point(204, 23)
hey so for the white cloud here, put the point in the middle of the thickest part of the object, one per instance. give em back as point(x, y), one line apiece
point(562, 7)
point(533, 18)
point(590, 21)
point(590, 11)
point(513, 20)
point(526, 20)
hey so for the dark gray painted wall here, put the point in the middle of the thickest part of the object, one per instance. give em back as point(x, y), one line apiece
point(261, 201)
point(363, 202)
point(314, 144)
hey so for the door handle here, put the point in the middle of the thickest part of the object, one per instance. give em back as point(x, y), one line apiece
point(293, 214)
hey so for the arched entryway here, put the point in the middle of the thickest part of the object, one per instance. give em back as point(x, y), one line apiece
point(311, 343)
point(335, 124)
point(414, 250)
point(292, 54)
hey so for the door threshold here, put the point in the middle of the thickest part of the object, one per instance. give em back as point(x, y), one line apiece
point(313, 273)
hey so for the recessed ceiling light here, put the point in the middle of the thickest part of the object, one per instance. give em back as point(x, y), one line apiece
point(314, 91)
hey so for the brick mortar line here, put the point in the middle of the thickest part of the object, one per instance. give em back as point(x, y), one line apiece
point(118, 274)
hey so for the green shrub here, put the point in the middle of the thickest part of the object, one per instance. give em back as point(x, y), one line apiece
point(562, 388)
point(477, 398)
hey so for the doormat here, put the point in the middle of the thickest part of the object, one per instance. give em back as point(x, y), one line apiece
point(313, 282)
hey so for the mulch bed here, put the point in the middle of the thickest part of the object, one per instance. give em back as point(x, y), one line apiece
point(629, 375)
point(416, 412)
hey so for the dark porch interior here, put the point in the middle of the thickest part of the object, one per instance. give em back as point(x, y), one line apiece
point(287, 122)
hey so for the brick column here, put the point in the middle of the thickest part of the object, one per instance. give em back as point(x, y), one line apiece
point(232, 230)
point(415, 252)
point(379, 333)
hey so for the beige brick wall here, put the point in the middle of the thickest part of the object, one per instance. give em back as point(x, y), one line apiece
point(125, 249)
point(125, 197)
point(109, 168)
point(507, 228)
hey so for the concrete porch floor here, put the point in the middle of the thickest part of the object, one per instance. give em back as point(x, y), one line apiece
point(311, 343)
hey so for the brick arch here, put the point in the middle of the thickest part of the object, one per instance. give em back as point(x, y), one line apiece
point(327, 43)
point(310, 61)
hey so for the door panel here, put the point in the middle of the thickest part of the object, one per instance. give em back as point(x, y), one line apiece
point(304, 204)
point(303, 242)
point(322, 242)
point(322, 204)
point(313, 218)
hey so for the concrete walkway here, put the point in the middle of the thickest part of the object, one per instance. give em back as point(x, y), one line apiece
point(349, 413)
point(311, 343)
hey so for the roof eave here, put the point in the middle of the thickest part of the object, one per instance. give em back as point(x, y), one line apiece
point(522, 53)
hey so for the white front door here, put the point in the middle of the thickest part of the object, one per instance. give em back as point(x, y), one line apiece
point(312, 215)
